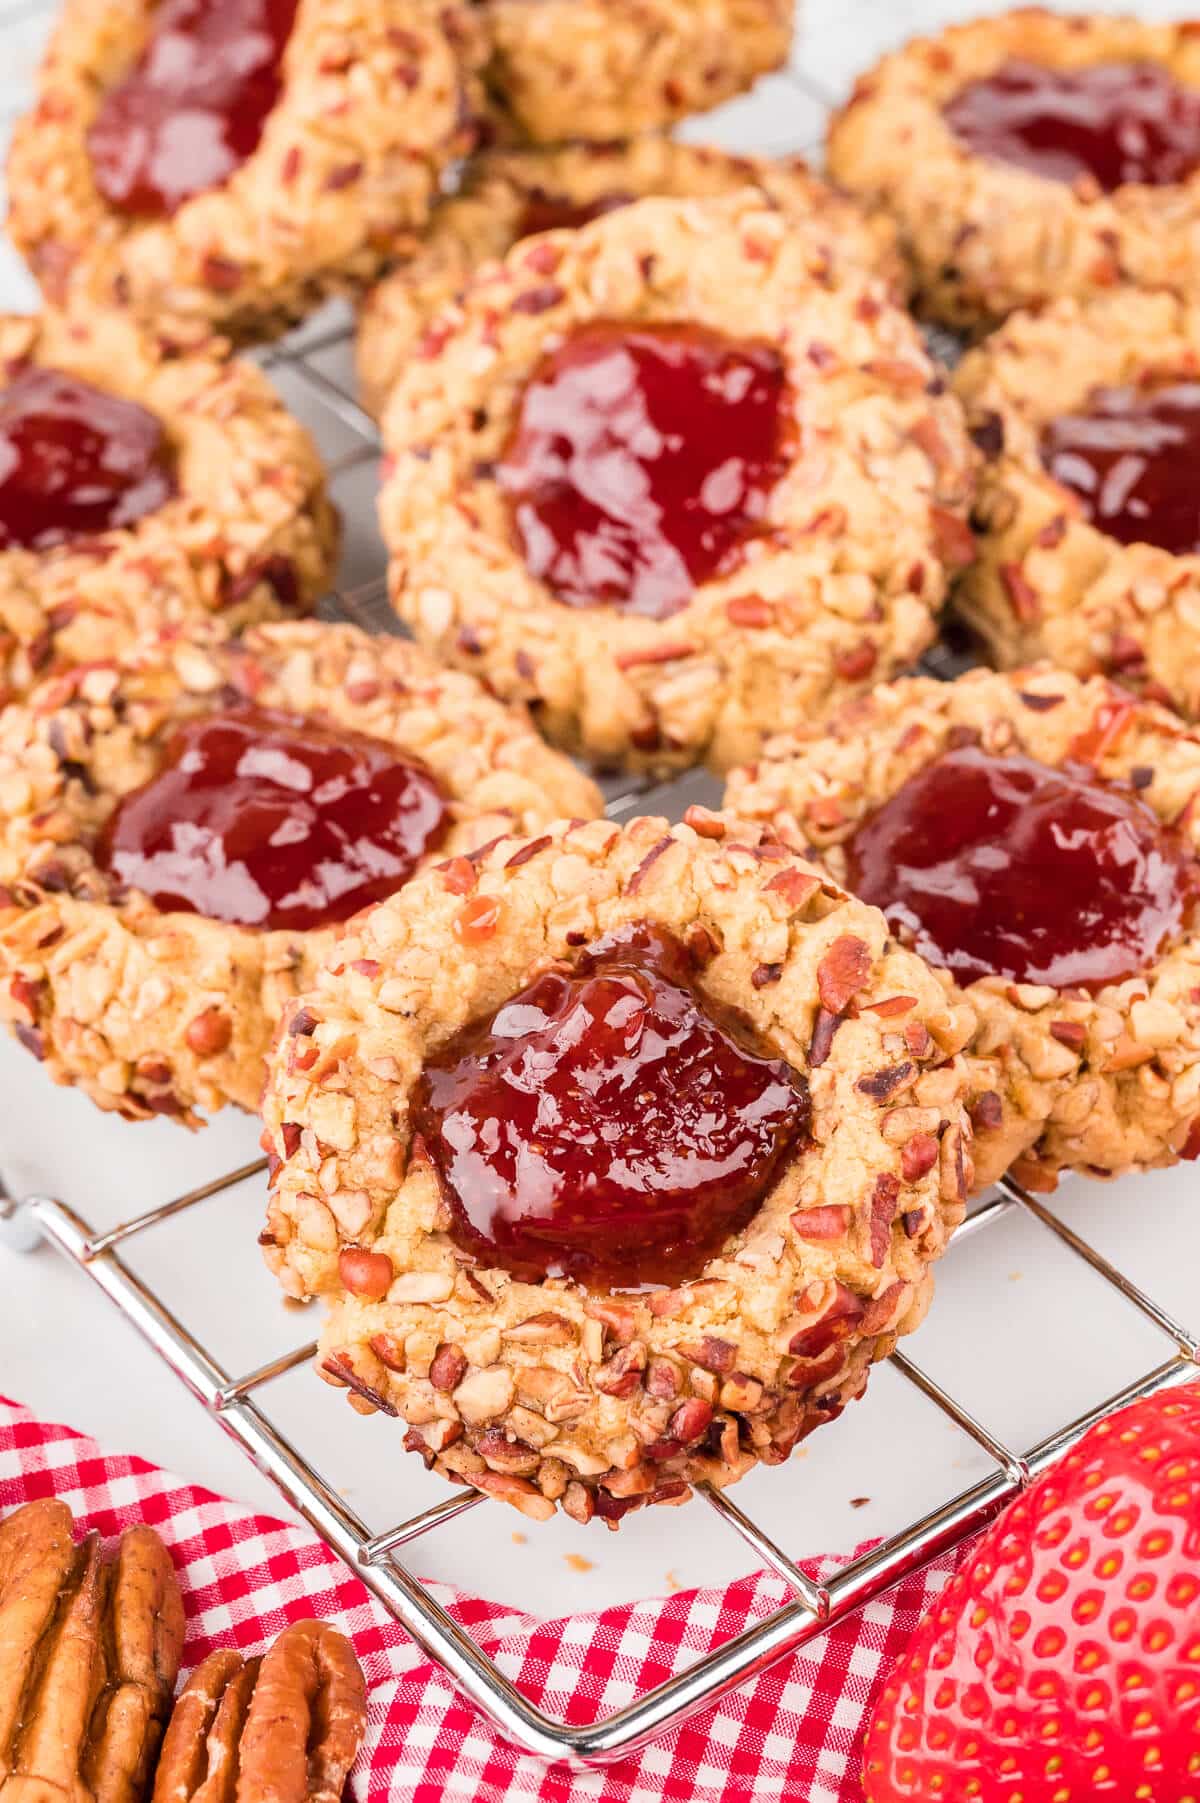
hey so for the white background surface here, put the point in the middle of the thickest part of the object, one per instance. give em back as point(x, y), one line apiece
point(1022, 1333)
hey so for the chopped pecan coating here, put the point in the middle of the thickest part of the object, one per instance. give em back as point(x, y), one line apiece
point(1052, 580)
point(88, 1657)
point(370, 109)
point(164, 1011)
point(840, 588)
point(249, 535)
point(986, 235)
point(1104, 1078)
point(606, 69)
point(533, 1388)
point(507, 195)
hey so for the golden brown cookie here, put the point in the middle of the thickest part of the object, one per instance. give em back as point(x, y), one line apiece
point(603, 69)
point(1088, 523)
point(184, 828)
point(508, 195)
point(1037, 838)
point(194, 494)
point(677, 479)
point(636, 1145)
point(341, 131)
point(1032, 156)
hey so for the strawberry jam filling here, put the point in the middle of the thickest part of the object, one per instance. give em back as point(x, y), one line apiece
point(1113, 122)
point(266, 820)
point(643, 460)
point(609, 1123)
point(75, 461)
point(193, 107)
point(545, 212)
point(1000, 866)
point(1130, 456)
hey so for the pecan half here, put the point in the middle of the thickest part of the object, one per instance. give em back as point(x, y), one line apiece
point(307, 1717)
point(286, 1728)
point(36, 1559)
point(199, 1762)
point(88, 1657)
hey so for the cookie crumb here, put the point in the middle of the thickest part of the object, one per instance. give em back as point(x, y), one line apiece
point(577, 1562)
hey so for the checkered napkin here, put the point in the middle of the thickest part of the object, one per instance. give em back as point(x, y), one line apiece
point(790, 1736)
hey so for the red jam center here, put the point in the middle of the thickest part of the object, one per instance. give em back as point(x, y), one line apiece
point(75, 461)
point(554, 213)
point(642, 461)
point(1114, 122)
point(608, 1123)
point(193, 107)
point(269, 821)
point(1002, 866)
point(1131, 457)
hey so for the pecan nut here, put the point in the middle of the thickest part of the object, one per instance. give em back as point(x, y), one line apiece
point(282, 1729)
point(36, 1557)
point(89, 1652)
point(199, 1762)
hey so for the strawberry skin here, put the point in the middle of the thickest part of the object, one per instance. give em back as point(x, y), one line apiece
point(1062, 1662)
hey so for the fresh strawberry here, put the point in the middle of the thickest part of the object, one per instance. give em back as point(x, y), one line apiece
point(1062, 1662)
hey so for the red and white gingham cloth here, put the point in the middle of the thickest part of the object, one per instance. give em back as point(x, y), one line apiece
point(790, 1736)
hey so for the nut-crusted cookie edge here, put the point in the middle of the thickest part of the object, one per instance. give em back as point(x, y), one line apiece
point(556, 70)
point(865, 524)
point(372, 108)
point(168, 1013)
point(484, 220)
point(1106, 1082)
point(250, 535)
point(1047, 583)
point(542, 1393)
point(985, 237)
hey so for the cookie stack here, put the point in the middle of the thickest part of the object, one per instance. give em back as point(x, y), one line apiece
point(617, 1152)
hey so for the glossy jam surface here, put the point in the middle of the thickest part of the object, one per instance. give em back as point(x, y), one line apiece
point(266, 820)
point(1114, 122)
point(545, 212)
point(193, 107)
point(608, 1123)
point(1003, 866)
point(1131, 455)
point(642, 462)
point(75, 461)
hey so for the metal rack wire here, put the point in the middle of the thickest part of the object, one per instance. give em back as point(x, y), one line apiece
point(236, 1401)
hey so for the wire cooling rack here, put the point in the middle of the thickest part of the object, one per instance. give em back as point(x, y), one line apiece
point(314, 371)
point(240, 1403)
